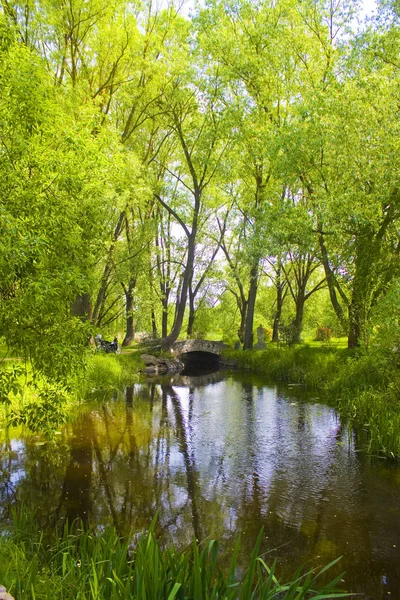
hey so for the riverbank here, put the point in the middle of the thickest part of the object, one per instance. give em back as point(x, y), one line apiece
point(363, 386)
point(42, 406)
point(110, 456)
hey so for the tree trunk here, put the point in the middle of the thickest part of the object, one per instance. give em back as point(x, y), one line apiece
point(164, 317)
point(331, 280)
point(364, 280)
point(278, 313)
point(101, 294)
point(251, 303)
point(358, 312)
point(82, 307)
point(280, 297)
point(297, 323)
point(242, 327)
point(154, 324)
point(355, 329)
point(186, 282)
point(192, 316)
point(181, 305)
point(129, 329)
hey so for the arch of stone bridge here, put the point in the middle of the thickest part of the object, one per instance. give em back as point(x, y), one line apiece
point(188, 346)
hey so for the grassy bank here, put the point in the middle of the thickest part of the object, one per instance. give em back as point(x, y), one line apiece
point(100, 566)
point(105, 372)
point(364, 386)
point(42, 405)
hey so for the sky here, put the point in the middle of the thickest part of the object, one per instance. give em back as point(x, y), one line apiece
point(368, 6)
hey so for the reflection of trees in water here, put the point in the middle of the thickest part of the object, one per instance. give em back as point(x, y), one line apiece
point(123, 452)
point(193, 491)
point(31, 476)
point(75, 498)
point(252, 460)
point(7, 488)
point(122, 467)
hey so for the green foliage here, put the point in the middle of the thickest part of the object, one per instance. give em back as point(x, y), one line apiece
point(103, 373)
point(361, 370)
point(290, 334)
point(42, 405)
point(366, 389)
point(298, 364)
point(44, 409)
point(99, 566)
point(54, 193)
point(385, 333)
point(377, 412)
point(10, 384)
point(34, 402)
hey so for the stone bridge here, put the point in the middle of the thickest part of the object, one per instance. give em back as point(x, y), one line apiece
point(186, 346)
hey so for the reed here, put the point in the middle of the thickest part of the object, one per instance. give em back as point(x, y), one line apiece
point(306, 365)
point(99, 566)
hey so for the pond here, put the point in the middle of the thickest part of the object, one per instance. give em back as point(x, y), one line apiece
point(217, 456)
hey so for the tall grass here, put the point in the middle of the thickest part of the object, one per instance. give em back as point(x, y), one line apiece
point(41, 405)
point(99, 566)
point(107, 372)
point(297, 364)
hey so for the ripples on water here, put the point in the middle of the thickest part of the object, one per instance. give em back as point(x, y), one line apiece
point(216, 457)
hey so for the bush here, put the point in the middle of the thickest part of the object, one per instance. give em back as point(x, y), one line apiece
point(323, 334)
point(267, 334)
point(312, 367)
point(289, 334)
point(104, 372)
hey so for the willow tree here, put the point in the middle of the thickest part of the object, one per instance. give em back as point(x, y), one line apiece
point(55, 194)
point(262, 51)
point(196, 117)
point(348, 165)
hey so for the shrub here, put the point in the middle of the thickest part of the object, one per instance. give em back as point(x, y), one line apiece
point(267, 334)
point(323, 334)
point(104, 372)
point(289, 334)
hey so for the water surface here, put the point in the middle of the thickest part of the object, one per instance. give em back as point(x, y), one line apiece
point(218, 456)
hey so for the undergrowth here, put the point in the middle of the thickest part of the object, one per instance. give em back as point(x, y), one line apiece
point(99, 566)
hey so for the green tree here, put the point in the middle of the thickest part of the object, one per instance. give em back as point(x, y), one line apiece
point(54, 187)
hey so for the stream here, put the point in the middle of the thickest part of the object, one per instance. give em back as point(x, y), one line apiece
point(219, 455)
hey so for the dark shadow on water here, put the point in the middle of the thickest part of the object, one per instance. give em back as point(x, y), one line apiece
point(199, 363)
point(198, 378)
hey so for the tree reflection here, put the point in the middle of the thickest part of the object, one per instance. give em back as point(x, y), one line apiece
point(76, 491)
point(215, 459)
point(190, 467)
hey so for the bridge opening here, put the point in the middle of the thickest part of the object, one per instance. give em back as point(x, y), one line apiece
point(199, 362)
